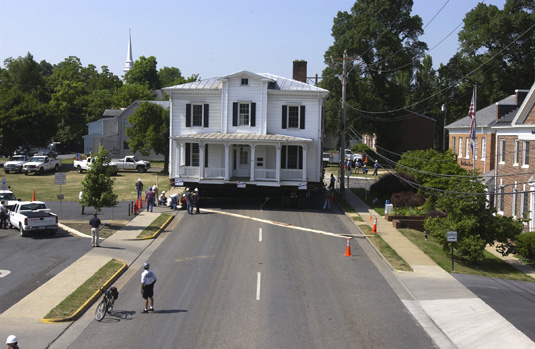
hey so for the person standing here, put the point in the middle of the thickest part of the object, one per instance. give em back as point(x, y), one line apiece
point(149, 198)
point(12, 342)
point(148, 280)
point(139, 187)
point(196, 200)
point(95, 228)
point(333, 181)
point(375, 168)
point(3, 215)
point(189, 201)
point(155, 190)
point(327, 203)
point(80, 199)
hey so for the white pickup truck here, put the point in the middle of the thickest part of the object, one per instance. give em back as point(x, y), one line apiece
point(131, 163)
point(40, 163)
point(30, 216)
point(15, 163)
point(84, 165)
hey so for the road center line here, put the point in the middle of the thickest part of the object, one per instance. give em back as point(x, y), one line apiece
point(260, 234)
point(280, 224)
point(258, 286)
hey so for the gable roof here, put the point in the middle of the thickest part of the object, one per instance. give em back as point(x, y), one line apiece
point(525, 108)
point(275, 83)
point(484, 117)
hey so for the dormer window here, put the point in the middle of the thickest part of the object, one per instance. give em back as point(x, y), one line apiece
point(245, 81)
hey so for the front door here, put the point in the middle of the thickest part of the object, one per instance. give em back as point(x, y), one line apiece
point(242, 162)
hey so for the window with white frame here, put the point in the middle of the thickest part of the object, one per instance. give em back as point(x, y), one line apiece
point(500, 198)
point(467, 151)
point(516, 152)
point(524, 201)
point(192, 154)
point(502, 151)
point(460, 146)
point(244, 114)
point(453, 145)
point(243, 119)
point(514, 208)
point(525, 154)
point(197, 115)
point(475, 148)
point(293, 116)
point(291, 157)
point(483, 148)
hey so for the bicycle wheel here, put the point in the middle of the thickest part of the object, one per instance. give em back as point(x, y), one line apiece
point(110, 305)
point(100, 312)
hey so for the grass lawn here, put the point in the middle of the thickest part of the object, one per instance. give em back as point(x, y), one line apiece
point(378, 205)
point(490, 266)
point(76, 299)
point(388, 253)
point(154, 226)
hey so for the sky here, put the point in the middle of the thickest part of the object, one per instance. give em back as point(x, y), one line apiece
point(207, 37)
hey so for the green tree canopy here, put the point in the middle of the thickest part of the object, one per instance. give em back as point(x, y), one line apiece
point(128, 93)
point(144, 72)
point(97, 185)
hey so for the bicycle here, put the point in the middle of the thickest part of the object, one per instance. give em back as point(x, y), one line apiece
point(106, 305)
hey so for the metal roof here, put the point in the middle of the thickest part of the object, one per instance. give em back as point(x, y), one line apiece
point(484, 117)
point(218, 136)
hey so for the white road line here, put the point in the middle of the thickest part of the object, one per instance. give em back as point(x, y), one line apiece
point(287, 225)
point(260, 234)
point(4, 273)
point(258, 286)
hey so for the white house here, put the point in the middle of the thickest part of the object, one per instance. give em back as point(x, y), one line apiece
point(246, 130)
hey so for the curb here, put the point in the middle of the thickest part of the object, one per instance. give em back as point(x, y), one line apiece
point(73, 231)
point(155, 235)
point(91, 299)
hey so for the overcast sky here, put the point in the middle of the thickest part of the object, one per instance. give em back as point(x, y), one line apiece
point(207, 37)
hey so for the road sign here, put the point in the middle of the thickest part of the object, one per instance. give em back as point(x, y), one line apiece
point(179, 182)
point(61, 178)
point(452, 236)
point(4, 184)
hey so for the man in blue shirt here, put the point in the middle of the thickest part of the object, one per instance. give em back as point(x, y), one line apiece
point(95, 228)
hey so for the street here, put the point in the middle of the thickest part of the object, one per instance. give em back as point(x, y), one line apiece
point(238, 279)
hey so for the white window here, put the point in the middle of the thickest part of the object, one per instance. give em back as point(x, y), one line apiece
point(500, 198)
point(483, 148)
point(197, 114)
point(515, 152)
point(502, 151)
point(245, 81)
point(291, 157)
point(514, 208)
point(453, 145)
point(460, 146)
point(243, 119)
point(293, 116)
point(525, 154)
point(524, 202)
point(475, 148)
point(467, 151)
point(195, 154)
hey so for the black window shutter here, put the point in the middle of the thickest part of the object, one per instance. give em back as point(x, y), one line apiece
point(284, 116)
point(302, 116)
point(188, 154)
point(235, 114)
point(206, 114)
point(188, 115)
point(300, 158)
point(253, 114)
point(206, 155)
point(283, 156)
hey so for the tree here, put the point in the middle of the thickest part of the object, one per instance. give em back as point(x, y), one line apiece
point(97, 185)
point(144, 72)
point(128, 93)
point(150, 130)
point(170, 76)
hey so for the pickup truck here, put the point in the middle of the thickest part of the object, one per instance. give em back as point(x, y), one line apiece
point(30, 216)
point(40, 164)
point(9, 198)
point(15, 163)
point(84, 165)
point(131, 163)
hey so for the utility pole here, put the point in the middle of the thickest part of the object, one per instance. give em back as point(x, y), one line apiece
point(444, 108)
point(343, 127)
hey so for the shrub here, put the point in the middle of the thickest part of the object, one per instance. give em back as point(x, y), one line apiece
point(525, 245)
point(407, 199)
point(389, 184)
point(435, 214)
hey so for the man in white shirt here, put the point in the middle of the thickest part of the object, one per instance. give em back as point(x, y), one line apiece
point(148, 279)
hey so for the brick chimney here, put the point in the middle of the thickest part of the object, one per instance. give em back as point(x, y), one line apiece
point(300, 70)
point(520, 96)
point(503, 109)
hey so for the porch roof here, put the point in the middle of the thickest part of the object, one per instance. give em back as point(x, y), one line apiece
point(241, 137)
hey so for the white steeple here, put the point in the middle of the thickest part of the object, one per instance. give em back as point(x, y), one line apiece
point(129, 61)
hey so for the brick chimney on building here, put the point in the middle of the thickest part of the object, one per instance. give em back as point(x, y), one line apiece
point(300, 70)
point(521, 96)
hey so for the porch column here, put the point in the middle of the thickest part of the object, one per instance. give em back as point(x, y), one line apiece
point(201, 160)
point(278, 163)
point(253, 164)
point(304, 174)
point(179, 154)
point(227, 161)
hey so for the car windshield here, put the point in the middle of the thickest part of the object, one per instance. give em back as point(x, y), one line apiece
point(135, 159)
point(33, 206)
point(17, 158)
point(7, 196)
point(38, 159)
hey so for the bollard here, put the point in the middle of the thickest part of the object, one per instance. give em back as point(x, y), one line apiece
point(128, 209)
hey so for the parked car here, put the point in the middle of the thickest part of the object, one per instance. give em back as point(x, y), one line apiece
point(31, 216)
point(47, 152)
point(15, 163)
point(40, 164)
point(131, 163)
point(85, 164)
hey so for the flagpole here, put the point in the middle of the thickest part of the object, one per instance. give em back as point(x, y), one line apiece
point(473, 147)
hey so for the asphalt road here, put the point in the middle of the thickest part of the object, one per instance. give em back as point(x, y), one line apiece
point(227, 282)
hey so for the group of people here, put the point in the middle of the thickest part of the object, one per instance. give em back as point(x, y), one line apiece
point(151, 195)
point(358, 164)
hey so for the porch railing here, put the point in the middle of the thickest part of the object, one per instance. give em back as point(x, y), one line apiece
point(265, 175)
point(291, 175)
point(214, 172)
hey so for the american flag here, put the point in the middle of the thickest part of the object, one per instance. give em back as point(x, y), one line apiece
point(472, 115)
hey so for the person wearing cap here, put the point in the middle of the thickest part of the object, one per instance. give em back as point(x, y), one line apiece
point(155, 190)
point(12, 342)
point(95, 224)
point(375, 168)
point(196, 200)
point(189, 201)
point(162, 199)
point(148, 280)
point(139, 187)
point(149, 198)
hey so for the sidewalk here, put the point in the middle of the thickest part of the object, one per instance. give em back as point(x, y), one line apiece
point(464, 319)
point(23, 318)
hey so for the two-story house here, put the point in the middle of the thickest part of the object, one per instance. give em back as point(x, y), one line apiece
point(246, 130)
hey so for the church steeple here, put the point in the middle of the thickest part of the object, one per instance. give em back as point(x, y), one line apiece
point(129, 61)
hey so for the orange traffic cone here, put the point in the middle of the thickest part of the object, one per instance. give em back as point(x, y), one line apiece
point(348, 249)
point(33, 196)
point(140, 203)
point(374, 228)
point(371, 219)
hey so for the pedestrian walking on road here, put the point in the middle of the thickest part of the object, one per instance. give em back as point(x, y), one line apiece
point(3, 215)
point(189, 201)
point(95, 228)
point(196, 200)
point(12, 342)
point(148, 279)
point(139, 187)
